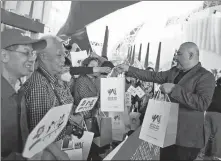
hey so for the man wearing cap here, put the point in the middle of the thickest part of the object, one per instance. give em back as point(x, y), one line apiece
point(17, 59)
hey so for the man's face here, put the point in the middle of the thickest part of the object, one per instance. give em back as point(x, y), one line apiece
point(20, 61)
point(182, 58)
point(55, 59)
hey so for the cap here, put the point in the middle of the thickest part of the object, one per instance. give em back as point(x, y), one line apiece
point(11, 37)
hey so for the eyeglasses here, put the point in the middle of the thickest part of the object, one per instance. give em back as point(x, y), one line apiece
point(30, 54)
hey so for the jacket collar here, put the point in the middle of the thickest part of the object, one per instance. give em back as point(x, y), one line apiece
point(7, 88)
point(187, 75)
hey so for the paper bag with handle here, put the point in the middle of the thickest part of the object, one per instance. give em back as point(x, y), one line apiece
point(105, 127)
point(160, 122)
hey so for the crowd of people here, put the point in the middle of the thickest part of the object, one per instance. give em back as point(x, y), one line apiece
point(46, 60)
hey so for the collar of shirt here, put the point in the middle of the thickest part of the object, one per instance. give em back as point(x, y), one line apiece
point(7, 88)
point(47, 74)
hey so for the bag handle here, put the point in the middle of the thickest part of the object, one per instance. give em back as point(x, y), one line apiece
point(99, 112)
point(158, 93)
point(84, 125)
point(167, 98)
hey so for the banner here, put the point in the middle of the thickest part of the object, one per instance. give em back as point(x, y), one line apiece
point(47, 130)
point(86, 104)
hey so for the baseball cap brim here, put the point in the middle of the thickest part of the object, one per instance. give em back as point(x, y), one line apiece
point(36, 44)
point(16, 37)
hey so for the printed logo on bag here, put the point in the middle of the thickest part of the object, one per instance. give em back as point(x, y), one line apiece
point(112, 94)
point(117, 119)
point(78, 145)
point(156, 120)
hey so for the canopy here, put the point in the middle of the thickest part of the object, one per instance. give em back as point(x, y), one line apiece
point(85, 12)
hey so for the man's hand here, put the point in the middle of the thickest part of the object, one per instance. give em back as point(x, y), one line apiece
point(122, 68)
point(167, 88)
point(101, 70)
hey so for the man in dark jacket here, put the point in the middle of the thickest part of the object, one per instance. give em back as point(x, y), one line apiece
point(190, 85)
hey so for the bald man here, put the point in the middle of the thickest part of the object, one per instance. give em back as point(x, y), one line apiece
point(190, 85)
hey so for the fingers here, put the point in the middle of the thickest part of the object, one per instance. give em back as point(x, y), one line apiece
point(105, 70)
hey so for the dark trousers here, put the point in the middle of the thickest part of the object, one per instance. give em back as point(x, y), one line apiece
point(175, 153)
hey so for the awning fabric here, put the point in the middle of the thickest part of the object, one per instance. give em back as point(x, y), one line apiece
point(84, 12)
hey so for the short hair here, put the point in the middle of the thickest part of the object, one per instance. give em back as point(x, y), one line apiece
point(51, 40)
point(87, 61)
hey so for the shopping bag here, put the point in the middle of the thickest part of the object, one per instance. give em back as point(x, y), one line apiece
point(105, 127)
point(74, 153)
point(92, 126)
point(160, 123)
point(78, 57)
point(86, 140)
point(112, 94)
point(126, 118)
point(118, 126)
point(134, 120)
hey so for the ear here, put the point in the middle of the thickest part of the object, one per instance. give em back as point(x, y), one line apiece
point(191, 55)
point(5, 57)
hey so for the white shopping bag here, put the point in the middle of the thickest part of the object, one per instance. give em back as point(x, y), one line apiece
point(160, 123)
point(75, 154)
point(78, 57)
point(47, 130)
point(118, 126)
point(72, 148)
point(86, 140)
point(112, 94)
point(134, 120)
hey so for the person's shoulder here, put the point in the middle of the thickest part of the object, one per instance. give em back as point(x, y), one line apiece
point(36, 79)
point(205, 72)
